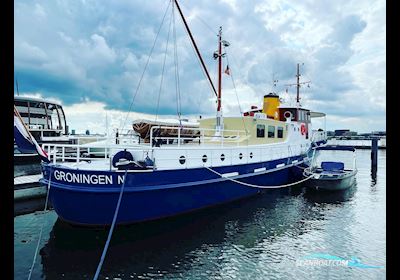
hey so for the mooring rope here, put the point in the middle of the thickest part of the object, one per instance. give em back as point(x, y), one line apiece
point(103, 255)
point(259, 186)
point(41, 228)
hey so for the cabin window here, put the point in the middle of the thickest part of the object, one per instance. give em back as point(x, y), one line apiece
point(204, 158)
point(280, 132)
point(182, 159)
point(240, 156)
point(251, 155)
point(271, 131)
point(222, 157)
point(260, 131)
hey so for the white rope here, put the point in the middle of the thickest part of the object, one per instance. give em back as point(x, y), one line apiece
point(41, 228)
point(258, 186)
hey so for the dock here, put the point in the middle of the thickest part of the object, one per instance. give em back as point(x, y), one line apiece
point(357, 143)
point(27, 187)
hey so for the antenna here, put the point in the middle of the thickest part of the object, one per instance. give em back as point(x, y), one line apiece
point(298, 84)
point(274, 82)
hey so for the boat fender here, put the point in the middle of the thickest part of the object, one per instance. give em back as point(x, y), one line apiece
point(124, 155)
point(148, 162)
point(303, 129)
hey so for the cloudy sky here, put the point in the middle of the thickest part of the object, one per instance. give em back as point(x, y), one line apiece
point(90, 56)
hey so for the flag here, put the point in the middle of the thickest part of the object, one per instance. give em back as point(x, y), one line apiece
point(227, 70)
point(24, 139)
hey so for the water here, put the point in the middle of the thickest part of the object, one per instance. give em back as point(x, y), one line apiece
point(263, 237)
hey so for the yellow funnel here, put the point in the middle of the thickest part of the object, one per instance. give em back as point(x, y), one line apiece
point(270, 106)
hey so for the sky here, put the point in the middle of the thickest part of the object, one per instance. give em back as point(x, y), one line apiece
point(103, 59)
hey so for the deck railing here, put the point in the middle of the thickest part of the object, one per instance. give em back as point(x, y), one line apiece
point(95, 150)
point(199, 135)
point(177, 157)
point(318, 136)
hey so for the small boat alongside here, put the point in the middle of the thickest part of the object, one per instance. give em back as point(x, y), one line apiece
point(331, 175)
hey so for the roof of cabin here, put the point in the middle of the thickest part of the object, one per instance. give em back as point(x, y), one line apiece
point(30, 98)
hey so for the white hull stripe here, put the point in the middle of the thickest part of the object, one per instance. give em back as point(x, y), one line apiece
point(259, 169)
point(230, 174)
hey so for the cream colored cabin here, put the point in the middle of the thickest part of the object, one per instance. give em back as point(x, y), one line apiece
point(259, 130)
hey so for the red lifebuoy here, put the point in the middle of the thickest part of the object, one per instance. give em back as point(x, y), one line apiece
point(303, 129)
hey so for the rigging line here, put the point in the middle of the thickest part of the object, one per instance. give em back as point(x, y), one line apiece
point(16, 81)
point(41, 228)
point(177, 85)
point(202, 21)
point(201, 63)
point(163, 67)
point(237, 96)
point(196, 49)
point(145, 67)
point(201, 67)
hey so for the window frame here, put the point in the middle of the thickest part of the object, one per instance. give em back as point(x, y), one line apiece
point(273, 135)
point(259, 130)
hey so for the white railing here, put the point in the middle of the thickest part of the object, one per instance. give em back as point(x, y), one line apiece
point(200, 136)
point(170, 158)
point(318, 136)
point(82, 152)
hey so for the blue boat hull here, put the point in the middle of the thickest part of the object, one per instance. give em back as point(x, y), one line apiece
point(157, 194)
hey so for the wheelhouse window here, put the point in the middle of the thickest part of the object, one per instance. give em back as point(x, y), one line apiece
point(271, 131)
point(260, 131)
point(280, 132)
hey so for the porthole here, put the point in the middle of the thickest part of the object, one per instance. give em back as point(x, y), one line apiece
point(182, 160)
point(240, 156)
point(222, 157)
point(204, 158)
point(251, 155)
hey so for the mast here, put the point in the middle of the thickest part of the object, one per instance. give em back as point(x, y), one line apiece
point(219, 68)
point(220, 124)
point(195, 47)
point(298, 85)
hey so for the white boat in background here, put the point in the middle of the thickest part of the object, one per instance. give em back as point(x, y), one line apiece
point(47, 123)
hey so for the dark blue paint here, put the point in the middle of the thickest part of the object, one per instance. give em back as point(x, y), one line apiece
point(153, 195)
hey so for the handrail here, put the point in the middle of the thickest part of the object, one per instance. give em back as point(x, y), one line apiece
point(200, 137)
point(70, 152)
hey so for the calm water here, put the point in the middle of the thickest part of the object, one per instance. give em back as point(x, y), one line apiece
point(257, 238)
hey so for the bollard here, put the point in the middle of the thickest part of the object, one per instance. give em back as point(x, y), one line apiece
point(374, 157)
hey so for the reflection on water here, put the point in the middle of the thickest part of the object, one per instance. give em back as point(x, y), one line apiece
point(256, 238)
point(331, 197)
point(170, 247)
